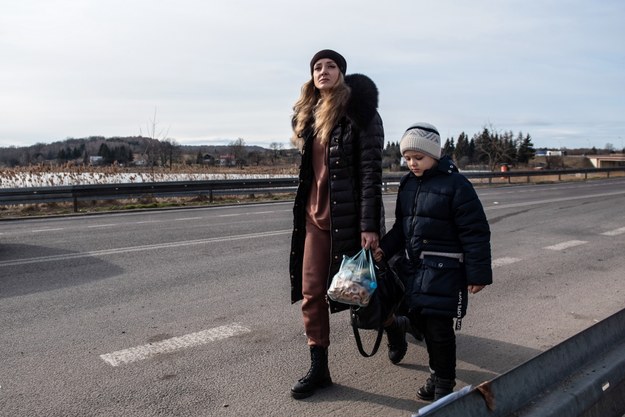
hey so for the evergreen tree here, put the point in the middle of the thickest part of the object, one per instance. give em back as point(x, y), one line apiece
point(525, 150)
point(509, 148)
point(483, 146)
point(462, 151)
point(105, 153)
point(449, 147)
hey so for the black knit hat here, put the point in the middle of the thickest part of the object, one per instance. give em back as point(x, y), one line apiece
point(330, 54)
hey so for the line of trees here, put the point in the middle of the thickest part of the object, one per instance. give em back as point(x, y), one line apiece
point(119, 154)
point(68, 154)
point(487, 149)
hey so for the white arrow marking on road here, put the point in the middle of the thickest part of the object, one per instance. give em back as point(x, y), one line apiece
point(139, 353)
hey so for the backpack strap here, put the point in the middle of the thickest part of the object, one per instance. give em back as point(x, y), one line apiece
point(376, 345)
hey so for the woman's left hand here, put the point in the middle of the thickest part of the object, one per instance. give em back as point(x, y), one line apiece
point(369, 240)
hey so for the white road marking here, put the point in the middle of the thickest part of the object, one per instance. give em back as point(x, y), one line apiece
point(614, 232)
point(552, 200)
point(504, 261)
point(115, 251)
point(566, 245)
point(188, 218)
point(47, 230)
point(139, 353)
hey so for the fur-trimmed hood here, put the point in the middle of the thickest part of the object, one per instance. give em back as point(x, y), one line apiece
point(363, 101)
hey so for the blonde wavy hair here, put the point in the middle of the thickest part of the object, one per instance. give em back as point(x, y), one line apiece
point(324, 113)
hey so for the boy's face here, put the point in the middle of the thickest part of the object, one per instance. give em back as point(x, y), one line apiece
point(418, 162)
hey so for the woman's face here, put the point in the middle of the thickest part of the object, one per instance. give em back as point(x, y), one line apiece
point(418, 162)
point(325, 74)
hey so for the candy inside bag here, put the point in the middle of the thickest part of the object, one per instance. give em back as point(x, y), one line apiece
point(355, 281)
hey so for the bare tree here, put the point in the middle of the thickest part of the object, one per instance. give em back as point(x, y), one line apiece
point(276, 149)
point(153, 151)
point(237, 148)
point(492, 148)
point(169, 152)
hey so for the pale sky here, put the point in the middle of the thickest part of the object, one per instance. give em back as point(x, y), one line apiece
point(217, 70)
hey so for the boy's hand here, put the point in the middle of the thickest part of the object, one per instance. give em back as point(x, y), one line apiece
point(378, 254)
point(473, 289)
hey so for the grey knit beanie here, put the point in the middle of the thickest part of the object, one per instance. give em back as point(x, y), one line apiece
point(421, 137)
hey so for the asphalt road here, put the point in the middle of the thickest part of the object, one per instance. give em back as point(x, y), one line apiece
point(187, 312)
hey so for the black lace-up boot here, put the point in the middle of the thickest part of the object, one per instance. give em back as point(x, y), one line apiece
point(443, 387)
point(436, 388)
point(426, 392)
point(318, 375)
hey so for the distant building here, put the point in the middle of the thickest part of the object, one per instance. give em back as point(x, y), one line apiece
point(96, 160)
point(607, 161)
point(208, 159)
point(227, 160)
point(545, 152)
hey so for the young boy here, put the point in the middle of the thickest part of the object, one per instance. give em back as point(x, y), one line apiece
point(442, 232)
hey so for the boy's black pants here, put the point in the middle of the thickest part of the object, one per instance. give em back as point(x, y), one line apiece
point(440, 339)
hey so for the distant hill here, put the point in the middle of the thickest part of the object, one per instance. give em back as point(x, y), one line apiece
point(121, 149)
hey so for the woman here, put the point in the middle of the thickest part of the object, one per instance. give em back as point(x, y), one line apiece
point(338, 205)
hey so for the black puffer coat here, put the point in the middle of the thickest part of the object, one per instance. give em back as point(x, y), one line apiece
point(355, 175)
point(447, 222)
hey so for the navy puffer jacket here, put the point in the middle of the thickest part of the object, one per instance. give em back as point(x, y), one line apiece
point(443, 236)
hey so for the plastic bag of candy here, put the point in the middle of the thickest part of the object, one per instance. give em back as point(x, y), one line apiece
point(355, 281)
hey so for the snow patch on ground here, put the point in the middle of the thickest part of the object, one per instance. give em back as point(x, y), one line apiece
point(52, 179)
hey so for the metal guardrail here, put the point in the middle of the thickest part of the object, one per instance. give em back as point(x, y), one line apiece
point(584, 376)
point(508, 175)
point(76, 193)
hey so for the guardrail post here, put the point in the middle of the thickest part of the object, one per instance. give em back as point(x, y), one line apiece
point(75, 203)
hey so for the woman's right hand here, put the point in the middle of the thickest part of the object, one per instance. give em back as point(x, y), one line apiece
point(378, 254)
